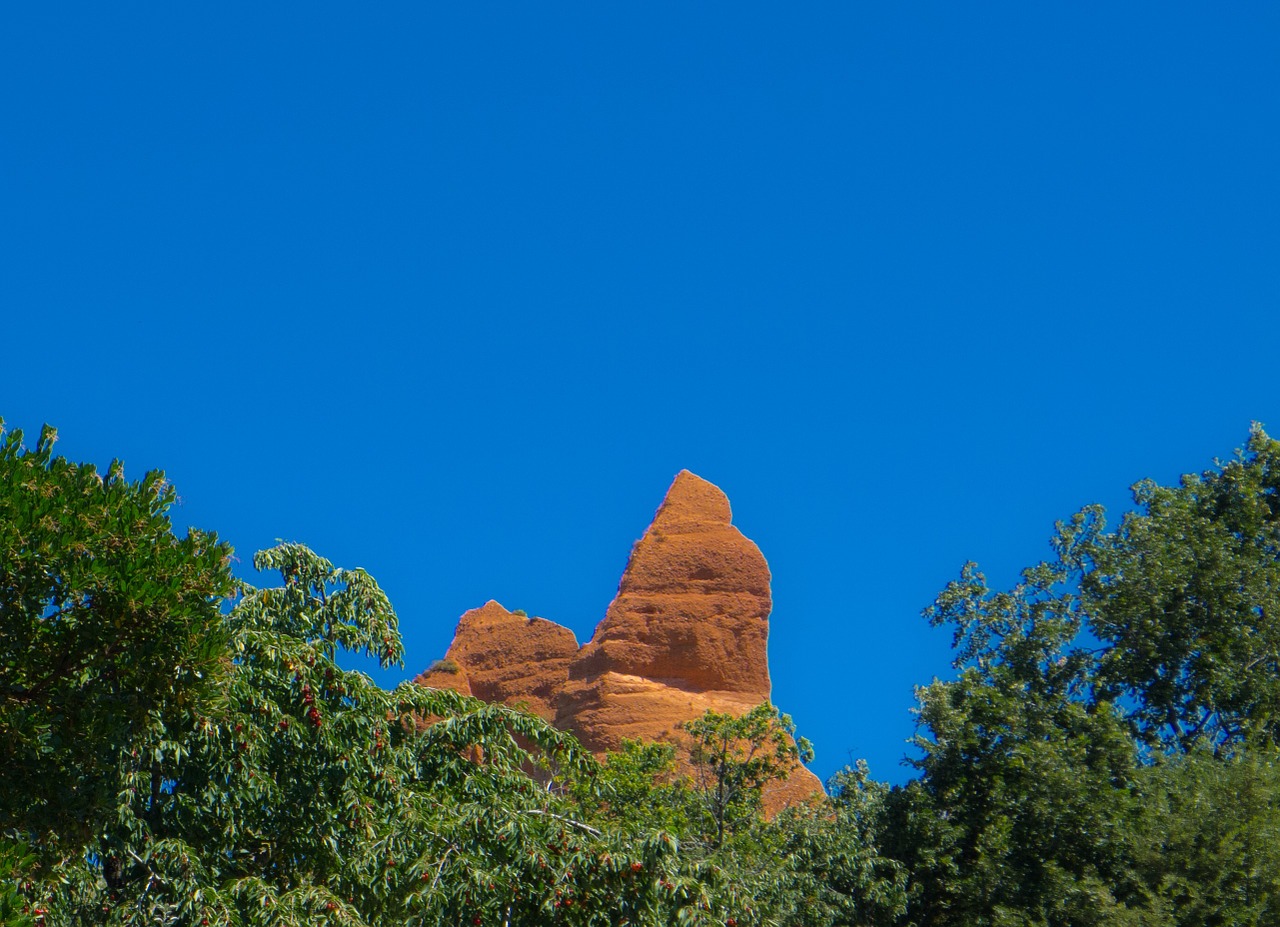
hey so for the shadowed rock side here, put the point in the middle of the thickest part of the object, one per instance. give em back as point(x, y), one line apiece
point(688, 631)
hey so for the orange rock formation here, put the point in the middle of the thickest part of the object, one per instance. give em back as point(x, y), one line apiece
point(686, 632)
point(505, 657)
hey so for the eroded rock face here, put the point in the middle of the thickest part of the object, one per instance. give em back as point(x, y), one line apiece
point(508, 658)
point(687, 632)
point(692, 610)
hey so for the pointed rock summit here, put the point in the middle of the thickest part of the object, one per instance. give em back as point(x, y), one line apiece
point(692, 610)
point(688, 631)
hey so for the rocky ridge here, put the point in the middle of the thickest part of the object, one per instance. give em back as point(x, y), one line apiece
point(687, 631)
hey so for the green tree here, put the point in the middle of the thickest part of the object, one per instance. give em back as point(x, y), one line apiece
point(308, 795)
point(733, 757)
point(1023, 792)
point(815, 864)
point(1020, 812)
point(639, 789)
point(1207, 845)
point(1185, 597)
point(109, 628)
point(821, 864)
point(16, 865)
point(1050, 789)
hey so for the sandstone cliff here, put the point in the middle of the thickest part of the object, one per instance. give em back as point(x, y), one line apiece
point(687, 631)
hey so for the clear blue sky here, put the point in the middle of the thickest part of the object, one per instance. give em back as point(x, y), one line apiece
point(452, 292)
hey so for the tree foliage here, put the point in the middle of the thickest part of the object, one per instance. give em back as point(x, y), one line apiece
point(177, 747)
point(1103, 705)
point(1186, 597)
point(733, 757)
point(109, 628)
point(824, 859)
point(310, 795)
point(1206, 844)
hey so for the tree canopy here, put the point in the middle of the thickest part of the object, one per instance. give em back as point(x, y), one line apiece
point(1132, 675)
point(111, 629)
point(180, 747)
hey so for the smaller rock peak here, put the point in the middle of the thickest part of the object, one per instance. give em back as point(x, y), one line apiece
point(690, 501)
point(488, 613)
